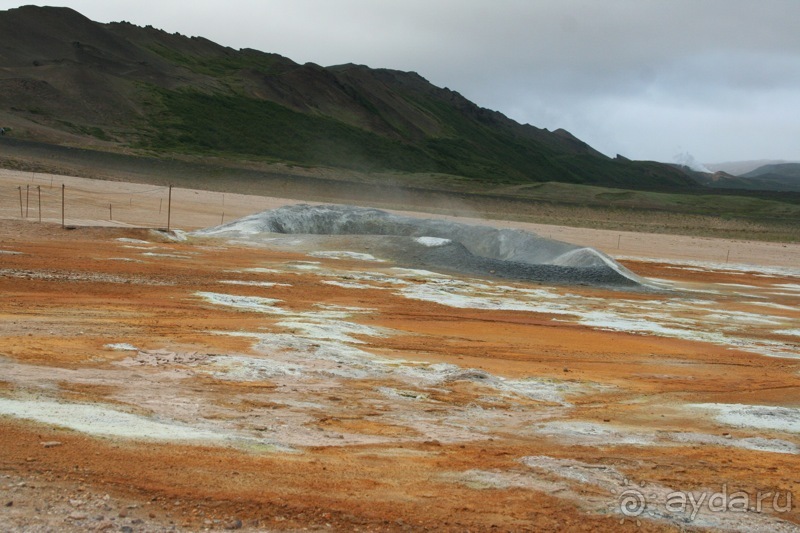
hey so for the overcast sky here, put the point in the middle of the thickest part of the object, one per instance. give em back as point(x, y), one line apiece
point(718, 80)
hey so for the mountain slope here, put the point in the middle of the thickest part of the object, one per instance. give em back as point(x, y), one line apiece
point(738, 168)
point(779, 177)
point(68, 80)
point(783, 177)
point(790, 171)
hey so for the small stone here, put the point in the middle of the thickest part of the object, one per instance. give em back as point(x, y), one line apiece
point(236, 524)
point(103, 526)
point(123, 513)
point(9, 504)
point(77, 515)
point(51, 444)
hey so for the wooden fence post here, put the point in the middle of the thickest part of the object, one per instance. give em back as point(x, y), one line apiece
point(169, 207)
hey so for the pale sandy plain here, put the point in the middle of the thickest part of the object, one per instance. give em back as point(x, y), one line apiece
point(87, 203)
point(154, 384)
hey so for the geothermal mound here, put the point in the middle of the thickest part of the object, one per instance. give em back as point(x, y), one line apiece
point(440, 244)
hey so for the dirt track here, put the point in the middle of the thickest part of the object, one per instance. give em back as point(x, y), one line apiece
point(274, 390)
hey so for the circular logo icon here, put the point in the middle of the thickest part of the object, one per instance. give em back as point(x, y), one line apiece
point(632, 503)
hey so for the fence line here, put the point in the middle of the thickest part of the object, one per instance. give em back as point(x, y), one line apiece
point(146, 208)
point(119, 203)
point(142, 209)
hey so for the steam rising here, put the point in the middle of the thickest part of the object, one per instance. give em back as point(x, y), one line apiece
point(686, 159)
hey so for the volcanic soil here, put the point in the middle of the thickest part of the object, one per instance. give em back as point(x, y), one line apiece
point(152, 382)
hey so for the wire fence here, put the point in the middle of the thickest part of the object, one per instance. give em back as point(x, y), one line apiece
point(76, 201)
point(141, 208)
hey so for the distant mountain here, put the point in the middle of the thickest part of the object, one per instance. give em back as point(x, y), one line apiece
point(786, 171)
point(774, 177)
point(738, 168)
point(783, 176)
point(70, 81)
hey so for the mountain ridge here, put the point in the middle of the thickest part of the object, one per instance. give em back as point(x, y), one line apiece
point(739, 168)
point(781, 177)
point(67, 79)
point(788, 170)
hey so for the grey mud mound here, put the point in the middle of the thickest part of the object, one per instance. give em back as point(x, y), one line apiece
point(440, 244)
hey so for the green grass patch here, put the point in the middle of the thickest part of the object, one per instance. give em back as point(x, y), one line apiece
point(92, 131)
point(222, 65)
point(194, 122)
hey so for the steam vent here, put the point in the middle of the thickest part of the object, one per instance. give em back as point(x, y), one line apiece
point(438, 244)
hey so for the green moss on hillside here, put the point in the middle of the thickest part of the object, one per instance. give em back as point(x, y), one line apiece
point(194, 122)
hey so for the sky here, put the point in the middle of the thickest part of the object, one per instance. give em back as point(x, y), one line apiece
point(667, 80)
